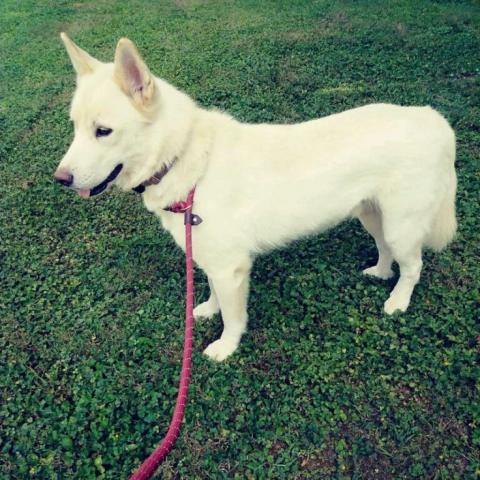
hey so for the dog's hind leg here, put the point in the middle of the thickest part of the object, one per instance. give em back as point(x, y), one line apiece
point(371, 219)
point(410, 262)
point(209, 308)
point(231, 288)
point(404, 237)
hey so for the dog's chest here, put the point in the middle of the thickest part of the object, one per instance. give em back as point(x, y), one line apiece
point(172, 222)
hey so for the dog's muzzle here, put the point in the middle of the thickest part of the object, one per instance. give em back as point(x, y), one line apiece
point(66, 178)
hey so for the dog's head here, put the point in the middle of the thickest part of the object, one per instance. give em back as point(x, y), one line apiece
point(111, 110)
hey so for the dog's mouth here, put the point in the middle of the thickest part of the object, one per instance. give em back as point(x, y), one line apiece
point(86, 193)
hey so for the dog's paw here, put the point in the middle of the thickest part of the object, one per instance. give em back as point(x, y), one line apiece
point(220, 349)
point(375, 272)
point(394, 303)
point(205, 310)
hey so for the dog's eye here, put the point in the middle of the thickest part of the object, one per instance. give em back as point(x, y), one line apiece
point(103, 132)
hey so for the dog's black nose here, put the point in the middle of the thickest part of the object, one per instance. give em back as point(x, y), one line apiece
point(63, 177)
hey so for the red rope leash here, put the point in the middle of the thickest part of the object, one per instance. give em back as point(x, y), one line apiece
point(148, 467)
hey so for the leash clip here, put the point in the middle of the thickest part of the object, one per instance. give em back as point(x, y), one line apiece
point(192, 218)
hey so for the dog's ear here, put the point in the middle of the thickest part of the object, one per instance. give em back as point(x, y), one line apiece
point(82, 62)
point(132, 74)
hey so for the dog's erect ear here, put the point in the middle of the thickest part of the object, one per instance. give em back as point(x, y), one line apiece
point(82, 62)
point(132, 74)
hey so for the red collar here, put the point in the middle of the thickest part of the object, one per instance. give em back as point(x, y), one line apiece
point(176, 207)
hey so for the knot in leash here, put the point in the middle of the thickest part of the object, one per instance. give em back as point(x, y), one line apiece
point(186, 208)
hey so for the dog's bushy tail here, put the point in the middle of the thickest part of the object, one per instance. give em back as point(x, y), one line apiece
point(445, 223)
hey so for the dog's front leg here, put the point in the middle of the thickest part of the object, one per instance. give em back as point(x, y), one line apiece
point(209, 308)
point(231, 288)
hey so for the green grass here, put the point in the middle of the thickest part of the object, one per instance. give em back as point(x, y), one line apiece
point(324, 384)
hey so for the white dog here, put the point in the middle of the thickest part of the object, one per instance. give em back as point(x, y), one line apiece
point(261, 186)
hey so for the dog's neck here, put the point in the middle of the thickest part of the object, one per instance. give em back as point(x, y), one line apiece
point(172, 181)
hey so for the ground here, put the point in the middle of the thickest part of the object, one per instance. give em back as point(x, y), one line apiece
point(324, 384)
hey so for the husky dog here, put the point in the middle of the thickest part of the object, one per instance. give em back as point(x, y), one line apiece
point(261, 186)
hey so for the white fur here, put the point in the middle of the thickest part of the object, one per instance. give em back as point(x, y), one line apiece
point(261, 186)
